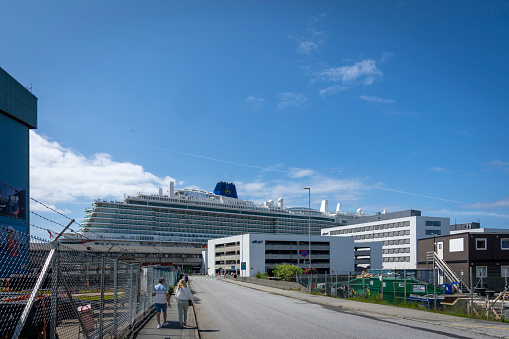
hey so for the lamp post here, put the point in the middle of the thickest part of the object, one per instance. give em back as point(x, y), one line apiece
point(309, 231)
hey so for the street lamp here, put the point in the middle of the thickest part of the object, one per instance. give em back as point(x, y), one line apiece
point(309, 231)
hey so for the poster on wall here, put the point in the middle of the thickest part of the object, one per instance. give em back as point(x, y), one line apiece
point(14, 250)
point(12, 202)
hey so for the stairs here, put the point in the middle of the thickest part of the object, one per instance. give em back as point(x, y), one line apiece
point(448, 272)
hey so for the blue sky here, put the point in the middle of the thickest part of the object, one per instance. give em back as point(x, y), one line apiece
point(378, 105)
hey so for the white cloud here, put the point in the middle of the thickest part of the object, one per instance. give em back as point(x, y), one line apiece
point(253, 102)
point(290, 99)
point(386, 56)
point(437, 169)
point(305, 47)
point(364, 71)
point(497, 163)
point(503, 203)
point(300, 172)
point(376, 99)
point(61, 175)
point(331, 90)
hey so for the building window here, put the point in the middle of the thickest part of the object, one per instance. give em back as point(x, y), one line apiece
point(481, 244)
point(504, 243)
point(504, 271)
point(433, 223)
point(481, 271)
point(433, 232)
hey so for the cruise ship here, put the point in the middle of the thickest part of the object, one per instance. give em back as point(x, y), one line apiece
point(189, 218)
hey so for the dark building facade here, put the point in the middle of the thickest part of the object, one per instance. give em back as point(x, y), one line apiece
point(18, 114)
point(486, 251)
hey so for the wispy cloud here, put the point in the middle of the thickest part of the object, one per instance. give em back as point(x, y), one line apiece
point(331, 90)
point(312, 39)
point(498, 204)
point(497, 165)
point(437, 169)
point(376, 99)
point(364, 72)
point(291, 99)
point(293, 193)
point(253, 102)
point(61, 175)
point(306, 47)
point(386, 56)
point(301, 172)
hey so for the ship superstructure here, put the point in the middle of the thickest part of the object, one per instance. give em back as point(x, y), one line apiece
point(189, 218)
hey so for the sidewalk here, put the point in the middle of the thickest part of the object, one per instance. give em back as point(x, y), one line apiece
point(489, 328)
point(150, 330)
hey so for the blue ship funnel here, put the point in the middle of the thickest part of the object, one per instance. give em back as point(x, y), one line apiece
point(226, 189)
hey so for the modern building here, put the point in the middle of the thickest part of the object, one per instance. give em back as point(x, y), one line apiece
point(398, 232)
point(18, 114)
point(261, 252)
point(484, 250)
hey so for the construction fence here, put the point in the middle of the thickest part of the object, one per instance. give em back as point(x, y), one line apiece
point(51, 291)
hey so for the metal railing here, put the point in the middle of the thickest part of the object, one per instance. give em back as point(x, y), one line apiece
point(49, 290)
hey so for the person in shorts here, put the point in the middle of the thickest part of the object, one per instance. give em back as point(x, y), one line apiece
point(160, 291)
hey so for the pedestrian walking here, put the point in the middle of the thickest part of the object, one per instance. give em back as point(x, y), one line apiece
point(160, 291)
point(184, 299)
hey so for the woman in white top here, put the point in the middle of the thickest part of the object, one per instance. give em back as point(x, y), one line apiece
point(183, 295)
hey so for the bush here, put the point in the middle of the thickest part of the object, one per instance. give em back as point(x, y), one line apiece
point(171, 289)
point(261, 276)
point(286, 272)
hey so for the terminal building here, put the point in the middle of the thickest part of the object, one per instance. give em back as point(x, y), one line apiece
point(261, 252)
point(18, 114)
point(398, 233)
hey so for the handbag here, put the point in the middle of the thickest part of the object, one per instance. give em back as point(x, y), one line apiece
point(190, 301)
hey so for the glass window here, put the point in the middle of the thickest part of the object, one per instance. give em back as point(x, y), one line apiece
point(504, 243)
point(504, 271)
point(433, 232)
point(481, 271)
point(481, 244)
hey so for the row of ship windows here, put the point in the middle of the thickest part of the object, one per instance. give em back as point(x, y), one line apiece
point(371, 228)
point(397, 259)
point(397, 250)
point(382, 235)
point(97, 206)
point(174, 217)
point(187, 232)
point(228, 228)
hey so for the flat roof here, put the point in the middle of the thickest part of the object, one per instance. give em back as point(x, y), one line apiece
point(16, 101)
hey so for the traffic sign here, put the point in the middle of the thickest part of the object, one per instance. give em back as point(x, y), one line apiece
point(243, 266)
point(304, 253)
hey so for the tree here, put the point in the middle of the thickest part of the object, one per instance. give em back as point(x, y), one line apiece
point(286, 272)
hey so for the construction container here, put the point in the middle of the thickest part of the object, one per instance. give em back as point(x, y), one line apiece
point(391, 288)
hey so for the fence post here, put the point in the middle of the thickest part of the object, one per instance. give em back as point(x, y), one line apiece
point(434, 288)
point(54, 293)
point(471, 292)
point(115, 297)
point(404, 282)
point(101, 307)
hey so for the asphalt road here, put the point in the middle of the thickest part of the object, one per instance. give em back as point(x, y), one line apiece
point(225, 310)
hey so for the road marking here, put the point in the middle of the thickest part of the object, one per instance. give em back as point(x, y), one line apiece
point(502, 328)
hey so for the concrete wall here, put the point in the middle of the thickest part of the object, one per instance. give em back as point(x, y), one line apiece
point(284, 285)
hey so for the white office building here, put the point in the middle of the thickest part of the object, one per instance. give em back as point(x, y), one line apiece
point(398, 232)
point(261, 252)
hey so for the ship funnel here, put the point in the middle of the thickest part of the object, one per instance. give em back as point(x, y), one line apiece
point(339, 208)
point(280, 203)
point(160, 191)
point(171, 190)
point(324, 208)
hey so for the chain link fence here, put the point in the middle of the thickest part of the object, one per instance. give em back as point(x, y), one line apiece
point(48, 290)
